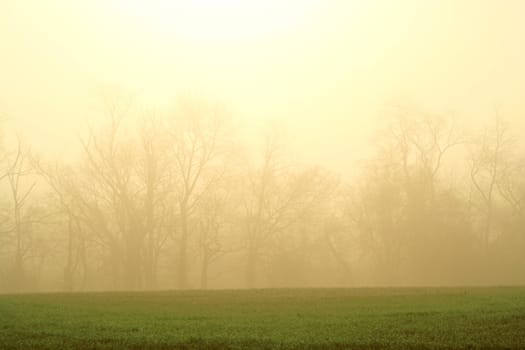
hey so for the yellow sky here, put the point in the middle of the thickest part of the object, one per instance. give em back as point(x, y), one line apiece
point(324, 68)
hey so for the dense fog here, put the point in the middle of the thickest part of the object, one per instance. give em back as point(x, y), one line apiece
point(181, 145)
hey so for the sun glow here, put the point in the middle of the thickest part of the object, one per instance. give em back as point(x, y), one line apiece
point(216, 19)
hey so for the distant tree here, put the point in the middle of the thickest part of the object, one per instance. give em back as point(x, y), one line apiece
point(295, 250)
point(397, 206)
point(276, 198)
point(110, 199)
point(20, 187)
point(153, 177)
point(263, 210)
point(199, 141)
point(214, 220)
point(66, 209)
point(489, 164)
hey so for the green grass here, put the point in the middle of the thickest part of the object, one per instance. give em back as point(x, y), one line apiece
point(472, 318)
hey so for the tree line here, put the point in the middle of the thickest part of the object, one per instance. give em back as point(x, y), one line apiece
point(180, 202)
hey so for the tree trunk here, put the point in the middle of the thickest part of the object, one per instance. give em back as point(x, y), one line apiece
point(182, 261)
point(251, 268)
point(204, 272)
point(68, 269)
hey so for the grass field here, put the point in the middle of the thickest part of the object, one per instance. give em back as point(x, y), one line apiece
point(489, 318)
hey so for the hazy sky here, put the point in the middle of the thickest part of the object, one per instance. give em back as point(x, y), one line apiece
point(326, 69)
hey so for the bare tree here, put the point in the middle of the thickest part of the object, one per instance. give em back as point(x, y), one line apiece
point(214, 219)
point(153, 174)
point(395, 208)
point(20, 190)
point(199, 147)
point(488, 163)
point(110, 167)
point(275, 199)
point(262, 213)
point(67, 206)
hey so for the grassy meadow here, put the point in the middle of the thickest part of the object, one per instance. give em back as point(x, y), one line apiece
point(459, 318)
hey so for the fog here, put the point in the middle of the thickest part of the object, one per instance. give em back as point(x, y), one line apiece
point(250, 144)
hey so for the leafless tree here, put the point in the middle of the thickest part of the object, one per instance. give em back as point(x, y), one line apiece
point(21, 187)
point(199, 139)
point(488, 165)
point(153, 171)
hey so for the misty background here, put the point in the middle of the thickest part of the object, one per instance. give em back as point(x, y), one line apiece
point(187, 144)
